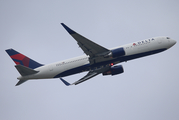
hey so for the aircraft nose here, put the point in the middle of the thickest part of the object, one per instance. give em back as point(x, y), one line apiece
point(172, 42)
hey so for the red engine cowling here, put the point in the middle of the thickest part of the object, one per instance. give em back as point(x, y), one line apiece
point(114, 70)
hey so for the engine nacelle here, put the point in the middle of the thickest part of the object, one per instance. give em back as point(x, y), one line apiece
point(116, 53)
point(114, 70)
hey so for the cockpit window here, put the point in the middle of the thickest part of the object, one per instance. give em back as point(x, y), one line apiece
point(168, 38)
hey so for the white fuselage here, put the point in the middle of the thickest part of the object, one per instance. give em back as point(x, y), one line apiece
point(81, 63)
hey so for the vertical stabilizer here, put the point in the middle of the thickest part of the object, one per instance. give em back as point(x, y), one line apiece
point(20, 82)
point(21, 59)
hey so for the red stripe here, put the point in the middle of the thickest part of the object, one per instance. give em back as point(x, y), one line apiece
point(25, 61)
point(18, 56)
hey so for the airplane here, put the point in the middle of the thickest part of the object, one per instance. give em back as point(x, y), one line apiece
point(98, 59)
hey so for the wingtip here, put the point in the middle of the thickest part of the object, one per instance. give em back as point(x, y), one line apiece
point(65, 82)
point(70, 31)
point(62, 23)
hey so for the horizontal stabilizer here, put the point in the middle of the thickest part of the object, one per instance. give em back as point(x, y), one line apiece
point(20, 82)
point(25, 70)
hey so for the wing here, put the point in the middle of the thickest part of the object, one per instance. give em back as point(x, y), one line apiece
point(89, 47)
point(90, 74)
point(86, 77)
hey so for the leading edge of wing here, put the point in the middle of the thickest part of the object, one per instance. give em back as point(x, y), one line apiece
point(89, 47)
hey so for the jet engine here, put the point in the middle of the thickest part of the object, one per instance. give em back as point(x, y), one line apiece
point(116, 53)
point(114, 70)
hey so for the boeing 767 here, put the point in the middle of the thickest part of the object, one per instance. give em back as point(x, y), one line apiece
point(98, 59)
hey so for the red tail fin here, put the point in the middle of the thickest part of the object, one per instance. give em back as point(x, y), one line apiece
point(19, 58)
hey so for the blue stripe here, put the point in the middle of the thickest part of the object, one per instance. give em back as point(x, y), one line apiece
point(11, 52)
point(131, 57)
point(33, 64)
point(73, 71)
point(121, 59)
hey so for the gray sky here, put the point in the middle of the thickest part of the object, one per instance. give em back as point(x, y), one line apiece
point(148, 89)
